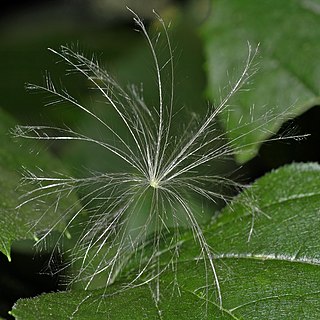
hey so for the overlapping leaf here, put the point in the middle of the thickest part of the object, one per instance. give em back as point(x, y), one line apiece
point(25, 222)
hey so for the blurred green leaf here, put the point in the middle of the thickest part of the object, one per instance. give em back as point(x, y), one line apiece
point(16, 224)
point(266, 250)
point(288, 77)
point(24, 50)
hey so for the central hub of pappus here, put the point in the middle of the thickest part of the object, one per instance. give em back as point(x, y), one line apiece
point(154, 182)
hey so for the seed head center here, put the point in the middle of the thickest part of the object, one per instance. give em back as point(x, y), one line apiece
point(154, 183)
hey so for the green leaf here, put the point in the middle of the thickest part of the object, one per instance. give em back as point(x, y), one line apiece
point(266, 254)
point(16, 224)
point(287, 81)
